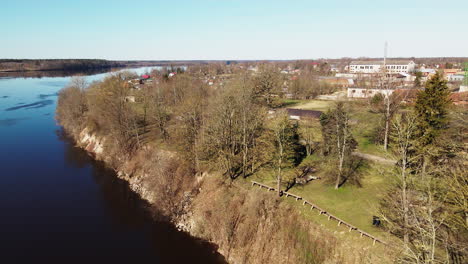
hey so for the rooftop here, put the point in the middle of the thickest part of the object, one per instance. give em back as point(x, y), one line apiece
point(303, 113)
point(380, 62)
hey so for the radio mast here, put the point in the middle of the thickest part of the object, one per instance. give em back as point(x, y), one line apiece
point(384, 70)
point(385, 59)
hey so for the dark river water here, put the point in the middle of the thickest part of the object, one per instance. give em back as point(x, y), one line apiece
point(57, 205)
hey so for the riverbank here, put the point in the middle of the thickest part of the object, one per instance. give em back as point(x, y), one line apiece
point(165, 145)
point(247, 225)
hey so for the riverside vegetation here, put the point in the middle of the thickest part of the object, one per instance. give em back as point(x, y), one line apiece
point(191, 149)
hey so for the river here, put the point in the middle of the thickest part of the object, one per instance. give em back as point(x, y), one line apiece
point(57, 205)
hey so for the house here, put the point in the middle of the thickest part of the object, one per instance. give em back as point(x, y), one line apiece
point(367, 92)
point(314, 64)
point(448, 72)
point(455, 78)
point(334, 68)
point(373, 67)
point(427, 72)
point(298, 114)
point(405, 77)
point(346, 75)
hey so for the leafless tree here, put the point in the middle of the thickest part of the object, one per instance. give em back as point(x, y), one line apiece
point(404, 128)
point(286, 140)
point(309, 132)
point(72, 105)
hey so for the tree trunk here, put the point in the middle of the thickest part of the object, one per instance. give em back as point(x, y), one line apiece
point(280, 164)
point(387, 124)
point(195, 152)
point(341, 153)
point(245, 146)
point(404, 199)
point(279, 181)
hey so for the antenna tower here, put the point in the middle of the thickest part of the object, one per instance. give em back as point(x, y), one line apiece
point(385, 55)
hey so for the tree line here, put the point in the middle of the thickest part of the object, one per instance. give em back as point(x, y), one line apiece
point(427, 205)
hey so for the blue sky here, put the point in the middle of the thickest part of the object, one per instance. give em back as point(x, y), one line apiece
point(231, 29)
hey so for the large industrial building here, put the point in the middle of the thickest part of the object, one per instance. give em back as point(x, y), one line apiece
point(372, 67)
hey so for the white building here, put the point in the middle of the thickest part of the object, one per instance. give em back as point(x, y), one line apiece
point(393, 66)
point(455, 78)
point(366, 93)
point(346, 75)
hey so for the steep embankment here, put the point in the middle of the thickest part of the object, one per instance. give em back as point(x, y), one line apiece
point(249, 226)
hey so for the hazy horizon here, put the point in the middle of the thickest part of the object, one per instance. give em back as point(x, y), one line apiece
point(214, 60)
point(231, 30)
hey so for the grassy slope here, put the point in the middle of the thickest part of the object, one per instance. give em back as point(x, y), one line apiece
point(356, 205)
point(353, 204)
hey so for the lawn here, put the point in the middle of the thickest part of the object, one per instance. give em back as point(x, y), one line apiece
point(363, 126)
point(290, 102)
point(319, 105)
point(363, 122)
point(355, 205)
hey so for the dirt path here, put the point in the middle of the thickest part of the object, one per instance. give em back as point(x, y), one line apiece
point(374, 158)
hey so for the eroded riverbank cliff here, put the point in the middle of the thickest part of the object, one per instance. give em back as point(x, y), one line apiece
point(248, 226)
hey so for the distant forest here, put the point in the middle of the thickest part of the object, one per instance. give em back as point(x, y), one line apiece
point(82, 65)
point(11, 65)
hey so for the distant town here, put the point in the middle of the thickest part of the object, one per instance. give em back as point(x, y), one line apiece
point(351, 78)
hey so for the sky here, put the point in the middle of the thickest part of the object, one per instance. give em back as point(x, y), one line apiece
point(232, 29)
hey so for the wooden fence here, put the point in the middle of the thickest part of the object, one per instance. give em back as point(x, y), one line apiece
point(323, 212)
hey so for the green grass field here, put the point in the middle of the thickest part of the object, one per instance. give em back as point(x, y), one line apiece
point(355, 205)
point(364, 123)
point(318, 105)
